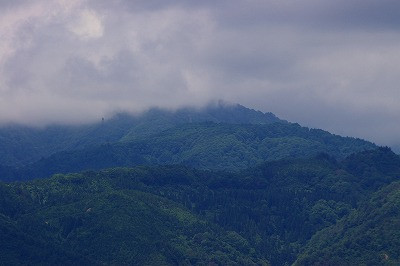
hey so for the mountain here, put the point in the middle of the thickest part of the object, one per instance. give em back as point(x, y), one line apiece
point(21, 145)
point(76, 219)
point(396, 148)
point(223, 185)
point(207, 145)
point(178, 214)
point(204, 146)
point(368, 236)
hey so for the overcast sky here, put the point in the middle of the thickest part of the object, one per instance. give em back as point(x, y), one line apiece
point(328, 64)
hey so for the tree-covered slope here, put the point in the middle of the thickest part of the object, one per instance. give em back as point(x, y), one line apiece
point(370, 235)
point(76, 219)
point(20, 145)
point(218, 137)
point(270, 211)
point(216, 146)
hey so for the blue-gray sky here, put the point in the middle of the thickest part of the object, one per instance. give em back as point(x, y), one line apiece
point(327, 64)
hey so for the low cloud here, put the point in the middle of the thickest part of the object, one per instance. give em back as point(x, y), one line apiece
point(325, 64)
point(87, 25)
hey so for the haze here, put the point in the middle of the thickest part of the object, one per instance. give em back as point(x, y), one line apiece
point(326, 64)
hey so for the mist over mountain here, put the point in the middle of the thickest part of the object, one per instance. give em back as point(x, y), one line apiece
point(323, 64)
point(218, 137)
point(396, 148)
point(218, 185)
point(116, 150)
point(23, 144)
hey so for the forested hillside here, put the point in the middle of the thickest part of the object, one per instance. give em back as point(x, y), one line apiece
point(214, 146)
point(77, 220)
point(224, 185)
point(217, 137)
point(20, 145)
point(122, 142)
point(370, 235)
point(181, 215)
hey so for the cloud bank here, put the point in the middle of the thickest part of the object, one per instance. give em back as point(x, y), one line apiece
point(326, 64)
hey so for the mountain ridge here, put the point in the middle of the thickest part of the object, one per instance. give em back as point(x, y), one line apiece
point(21, 145)
point(207, 145)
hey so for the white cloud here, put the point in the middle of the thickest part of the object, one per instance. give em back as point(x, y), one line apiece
point(87, 25)
point(322, 63)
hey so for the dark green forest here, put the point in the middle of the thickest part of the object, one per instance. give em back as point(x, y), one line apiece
point(221, 186)
point(21, 145)
point(157, 138)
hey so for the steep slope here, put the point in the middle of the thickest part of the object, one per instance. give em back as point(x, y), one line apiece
point(77, 219)
point(20, 145)
point(271, 210)
point(368, 236)
point(204, 146)
point(375, 166)
point(396, 148)
point(18, 247)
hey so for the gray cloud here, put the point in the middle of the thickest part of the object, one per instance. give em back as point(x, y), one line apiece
point(325, 64)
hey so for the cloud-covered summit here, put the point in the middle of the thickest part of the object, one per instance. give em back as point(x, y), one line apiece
point(326, 64)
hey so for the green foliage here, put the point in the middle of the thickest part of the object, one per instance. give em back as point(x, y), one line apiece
point(300, 186)
point(20, 145)
point(368, 236)
point(173, 214)
point(86, 217)
point(219, 137)
point(205, 146)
